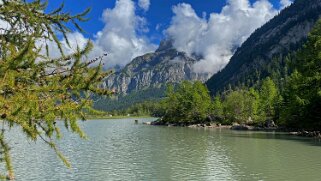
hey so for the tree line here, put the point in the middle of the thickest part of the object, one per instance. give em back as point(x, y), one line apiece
point(292, 100)
point(191, 103)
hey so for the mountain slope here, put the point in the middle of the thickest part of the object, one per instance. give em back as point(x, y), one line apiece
point(145, 78)
point(123, 102)
point(283, 34)
point(153, 70)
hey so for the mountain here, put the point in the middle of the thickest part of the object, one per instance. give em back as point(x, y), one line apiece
point(153, 70)
point(145, 77)
point(264, 52)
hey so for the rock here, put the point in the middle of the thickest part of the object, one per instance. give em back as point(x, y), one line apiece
point(192, 126)
point(312, 134)
point(305, 133)
point(156, 123)
point(202, 125)
point(171, 125)
point(294, 133)
point(153, 70)
point(270, 124)
point(241, 127)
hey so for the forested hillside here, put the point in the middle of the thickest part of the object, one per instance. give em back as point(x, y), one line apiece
point(122, 102)
point(267, 52)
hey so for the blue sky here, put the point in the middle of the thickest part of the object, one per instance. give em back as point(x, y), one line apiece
point(159, 13)
point(212, 29)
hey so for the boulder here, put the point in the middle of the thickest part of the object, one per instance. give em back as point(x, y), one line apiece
point(241, 127)
point(270, 124)
point(192, 126)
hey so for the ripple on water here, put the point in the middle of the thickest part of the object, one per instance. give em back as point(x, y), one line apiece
point(122, 150)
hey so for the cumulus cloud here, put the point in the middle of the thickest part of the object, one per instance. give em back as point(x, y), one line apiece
point(144, 4)
point(122, 36)
point(75, 39)
point(216, 38)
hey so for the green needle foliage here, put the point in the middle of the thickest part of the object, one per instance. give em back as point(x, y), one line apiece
point(269, 96)
point(36, 90)
point(302, 98)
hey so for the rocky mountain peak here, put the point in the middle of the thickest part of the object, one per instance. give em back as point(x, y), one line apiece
point(152, 70)
point(164, 45)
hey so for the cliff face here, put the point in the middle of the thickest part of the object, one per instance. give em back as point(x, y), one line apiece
point(165, 65)
point(283, 34)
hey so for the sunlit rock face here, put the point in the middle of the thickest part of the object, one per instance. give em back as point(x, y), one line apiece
point(165, 65)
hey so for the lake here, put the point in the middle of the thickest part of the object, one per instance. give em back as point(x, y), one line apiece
point(123, 150)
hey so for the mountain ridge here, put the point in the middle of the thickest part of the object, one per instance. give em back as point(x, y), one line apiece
point(283, 34)
point(152, 70)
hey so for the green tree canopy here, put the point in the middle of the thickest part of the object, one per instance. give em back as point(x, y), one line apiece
point(241, 105)
point(188, 103)
point(268, 98)
point(36, 90)
point(302, 98)
point(217, 106)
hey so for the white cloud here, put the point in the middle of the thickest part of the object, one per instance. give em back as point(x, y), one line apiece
point(4, 26)
point(144, 4)
point(75, 39)
point(122, 36)
point(217, 37)
point(285, 3)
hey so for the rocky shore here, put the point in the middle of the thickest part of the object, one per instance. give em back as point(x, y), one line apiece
point(235, 126)
point(200, 125)
point(312, 134)
point(267, 126)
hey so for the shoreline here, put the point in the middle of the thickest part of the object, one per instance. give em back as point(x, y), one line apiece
point(91, 117)
point(243, 127)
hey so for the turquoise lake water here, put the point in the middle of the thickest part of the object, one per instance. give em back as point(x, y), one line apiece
point(123, 150)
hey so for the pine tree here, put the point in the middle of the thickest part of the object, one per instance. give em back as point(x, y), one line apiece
point(36, 90)
point(302, 97)
point(268, 98)
point(217, 106)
